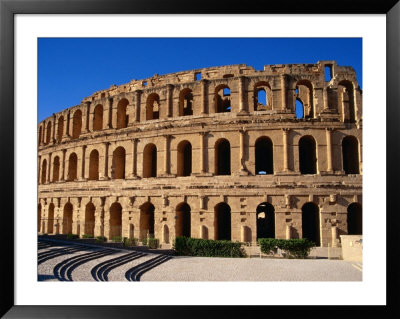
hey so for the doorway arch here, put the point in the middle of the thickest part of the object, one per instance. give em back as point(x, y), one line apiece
point(265, 221)
point(310, 222)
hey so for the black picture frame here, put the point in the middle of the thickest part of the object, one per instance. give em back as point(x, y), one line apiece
point(8, 9)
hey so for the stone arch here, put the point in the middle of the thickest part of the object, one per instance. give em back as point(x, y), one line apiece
point(90, 210)
point(262, 96)
point(354, 219)
point(56, 169)
point(39, 221)
point(351, 160)
point(222, 99)
point(153, 107)
point(76, 124)
point(60, 128)
point(150, 161)
point(67, 219)
point(346, 101)
point(98, 118)
point(48, 132)
point(122, 117)
point(184, 158)
point(115, 220)
point(183, 220)
point(308, 155)
point(118, 163)
point(44, 170)
point(94, 165)
point(310, 220)
point(264, 156)
point(40, 135)
point(305, 93)
point(72, 167)
point(165, 234)
point(222, 221)
point(222, 151)
point(265, 220)
point(186, 102)
point(146, 220)
point(50, 219)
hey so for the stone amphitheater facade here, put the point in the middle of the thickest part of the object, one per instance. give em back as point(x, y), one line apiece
point(220, 153)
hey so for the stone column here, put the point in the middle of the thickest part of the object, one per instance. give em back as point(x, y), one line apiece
point(53, 133)
point(85, 118)
point(170, 89)
point(166, 155)
point(204, 95)
point(99, 221)
point(355, 104)
point(241, 94)
point(66, 126)
point(114, 116)
point(109, 107)
point(283, 91)
point(104, 172)
point(329, 149)
point(334, 236)
point(202, 153)
point(242, 151)
point(48, 170)
point(70, 123)
point(285, 150)
point(288, 231)
point(62, 177)
point(39, 170)
point(134, 158)
point(325, 96)
point(137, 110)
point(83, 162)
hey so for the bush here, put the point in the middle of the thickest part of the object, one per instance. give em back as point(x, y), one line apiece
point(144, 241)
point(72, 236)
point(116, 239)
point(185, 246)
point(152, 243)
point(130, 242)
point(101, 239)
point(87, 236)
point(293, 248)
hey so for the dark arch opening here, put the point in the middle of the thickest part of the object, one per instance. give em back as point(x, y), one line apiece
point(222, 157)
point(354, 219)
point(122, 117)
point(346, 92)
point(150, 161)
point(48, 133)
point(186, 102)
point(265, 221)
point(39, 217)
point(94, 165)
point(183, 220)
point(76, 124)
point(50, 219)
point(89, 219)
point(350, 155)
point(44, 170)
point(310, 222)
point(147, 220)
point(222, 221)
point(119, 163)
point(264, 156)
point(115, 220)
point(98, 118)
point(73, 167)
point(40, 136)
point(56, 169)
point(308, 155)
point(222, 99)
point(67, 219)
point(153, 107)
point(184, 158)
point(60, 128)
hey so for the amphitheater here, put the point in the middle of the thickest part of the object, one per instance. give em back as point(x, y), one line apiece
point(224, 152)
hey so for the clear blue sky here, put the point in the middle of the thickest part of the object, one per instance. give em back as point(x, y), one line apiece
point(70, 69)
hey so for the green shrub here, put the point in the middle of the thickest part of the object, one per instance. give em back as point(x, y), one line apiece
point(144, 241)
point(292, 248)
point(72, 236)
point(101, 239)
point(116, 239)
point(152, 243)
point(185, 246)
point(87, 236)
point(130, 242)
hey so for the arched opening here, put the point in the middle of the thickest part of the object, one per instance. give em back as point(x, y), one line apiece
point(310, 222)
point(122, 117)
point(89, 219)
point(354, 219)
point(265, 221)
point(73, 167)
point(222, 223)
point(48, 133)
point(264, 156)
point(299, 109)
point(40, 135)
point(186, 102)
point(262, 96)
point(146, 220)
point(119, 163)
point(98, 118)
point(350, 155)
point(44, 170)
point(67, 219)
point(346, 101)
point(56, 169)
point(183, 220)
point(39, 217)
point(50, 219)
point(115, 220)
point(304, 94)
point(222, 157)
point(166, 234)
point(76, 124)
point(60, 128)
point(307, 155)
point(184, 158)
point(150, 161)
point(153, 107)
point(222, 99)
point(94, 165)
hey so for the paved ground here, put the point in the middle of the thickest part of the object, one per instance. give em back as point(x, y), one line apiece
point(63, 261)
